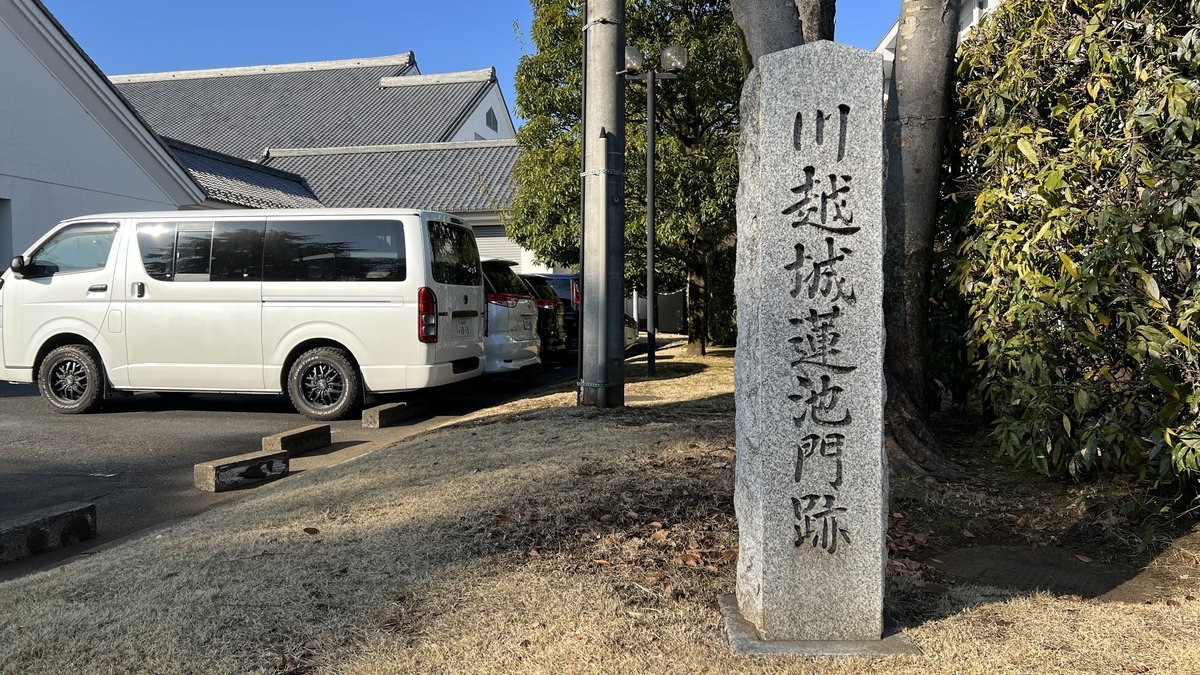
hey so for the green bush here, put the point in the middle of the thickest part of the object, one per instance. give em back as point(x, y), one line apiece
point(1072, 232)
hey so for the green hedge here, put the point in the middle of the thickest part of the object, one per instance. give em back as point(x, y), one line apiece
point(1071, 233)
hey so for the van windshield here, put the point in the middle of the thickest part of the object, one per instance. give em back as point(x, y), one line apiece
point(455, 256)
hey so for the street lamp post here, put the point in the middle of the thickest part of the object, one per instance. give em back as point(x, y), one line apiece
point(673, 59)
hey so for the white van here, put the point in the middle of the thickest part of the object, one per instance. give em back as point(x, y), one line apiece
point(327, 305)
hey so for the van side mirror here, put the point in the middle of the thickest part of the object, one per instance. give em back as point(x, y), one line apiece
point(18, 264)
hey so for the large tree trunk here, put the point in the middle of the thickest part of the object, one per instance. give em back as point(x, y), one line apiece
point(768, 26)
point(915, 133)
point(697, 306)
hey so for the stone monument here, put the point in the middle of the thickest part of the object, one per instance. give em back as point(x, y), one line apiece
point(811, 491)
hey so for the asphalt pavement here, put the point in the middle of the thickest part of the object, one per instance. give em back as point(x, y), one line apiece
point(134, 457)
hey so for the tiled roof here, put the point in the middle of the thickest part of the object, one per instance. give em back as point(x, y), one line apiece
point(236, 181)
point(455, 177)
point(241, 111)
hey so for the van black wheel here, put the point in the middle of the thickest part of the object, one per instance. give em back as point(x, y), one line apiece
point(71, 380)
point(323, 384)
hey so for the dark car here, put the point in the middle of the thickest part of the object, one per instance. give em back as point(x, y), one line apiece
point(551, 318)
point(566, 286)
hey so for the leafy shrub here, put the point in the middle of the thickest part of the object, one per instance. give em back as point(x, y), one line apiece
point(1072, 231)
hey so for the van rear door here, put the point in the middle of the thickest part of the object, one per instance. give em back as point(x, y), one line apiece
point(456, 278)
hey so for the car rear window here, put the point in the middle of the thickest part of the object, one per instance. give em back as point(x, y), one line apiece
point(561, 286)
point(455, 256)
point(504, 279)
point(541, 288)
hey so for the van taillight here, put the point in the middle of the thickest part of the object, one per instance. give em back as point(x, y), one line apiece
point(575, 292)
point(427, 322)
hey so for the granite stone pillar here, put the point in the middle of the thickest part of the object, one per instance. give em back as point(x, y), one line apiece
point(811, 491)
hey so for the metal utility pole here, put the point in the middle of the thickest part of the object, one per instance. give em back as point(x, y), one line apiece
point(602, 338)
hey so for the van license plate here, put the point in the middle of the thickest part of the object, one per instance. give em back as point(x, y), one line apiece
point(462, 327)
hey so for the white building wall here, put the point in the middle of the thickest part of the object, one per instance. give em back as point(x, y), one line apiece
point(56, 160)
point(476, 128)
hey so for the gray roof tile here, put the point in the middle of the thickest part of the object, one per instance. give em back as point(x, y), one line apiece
point(455, 177)
point(236, 181)
point(241, 114)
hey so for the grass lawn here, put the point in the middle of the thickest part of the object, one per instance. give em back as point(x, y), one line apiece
point(546, 538)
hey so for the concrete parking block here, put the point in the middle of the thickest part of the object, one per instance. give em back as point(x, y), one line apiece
point(298, 441)
point(390, 414)
point(232, 472)
point(45, 530)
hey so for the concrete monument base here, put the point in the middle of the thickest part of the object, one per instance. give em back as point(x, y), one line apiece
point(746, 642)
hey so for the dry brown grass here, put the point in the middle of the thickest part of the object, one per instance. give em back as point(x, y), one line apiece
point(539, 538)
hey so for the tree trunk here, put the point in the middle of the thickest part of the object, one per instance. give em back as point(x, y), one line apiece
point(697, 306)
point(768, 26)
point(915, 133)
point(816, 19)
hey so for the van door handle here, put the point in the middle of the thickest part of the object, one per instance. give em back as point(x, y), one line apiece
point(139, 289)
point(98, 288)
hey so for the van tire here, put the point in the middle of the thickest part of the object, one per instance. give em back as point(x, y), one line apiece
point(323, 384)
point(71, 380)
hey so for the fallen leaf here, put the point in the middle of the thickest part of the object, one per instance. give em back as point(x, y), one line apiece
point(1083, 558)
point(1074, 597)
point(312, 644)
point(669, 591)
point(688, 560)
point(656, 525)
point(533, 553)
point(344, 570)
point(655, 577)
point(606, 518)
point(311, 530)
point(1174, 603)
point(936, 561)
point(693, 544)
point(661, 534)
point(921, 538)
point(968, 534)
point(504, 518)
point(633, 515)
point(1002, 622)
point(1038, 527)
point(1190, 598)
point(601, 562)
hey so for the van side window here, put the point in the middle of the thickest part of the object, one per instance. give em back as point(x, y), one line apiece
point(76, 248)
point(237, 251)
point(202, 251)
point(334, 250)
point(193, 250)
point(156, 241)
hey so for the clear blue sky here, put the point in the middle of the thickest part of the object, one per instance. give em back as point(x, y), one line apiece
point(145, 36)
